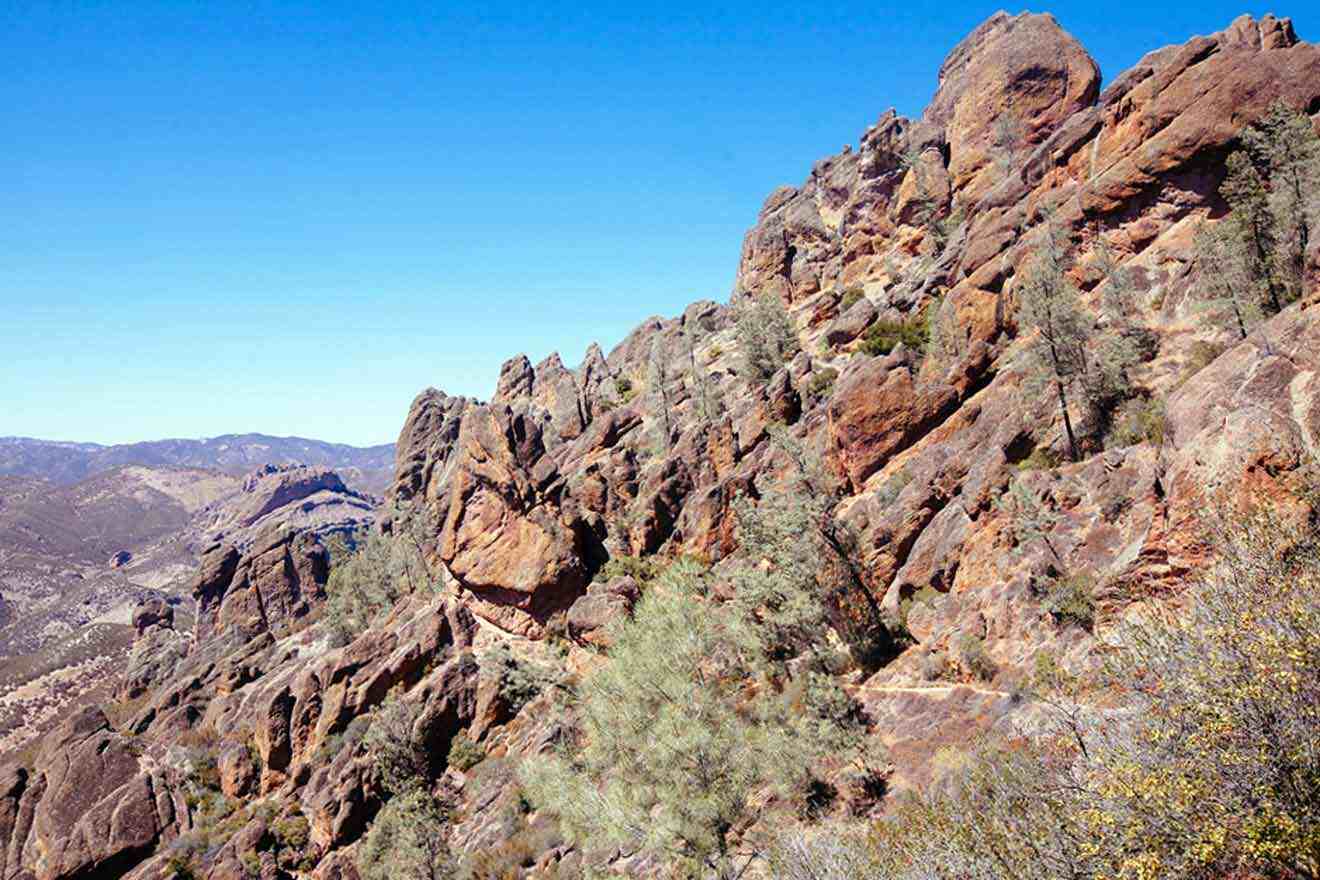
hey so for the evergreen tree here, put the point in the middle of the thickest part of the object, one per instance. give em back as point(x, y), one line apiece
point(658, 380)
point(1286, 144)
point(1069, 353)
point(1220, 260)
point(407, 841)
point(684, 735)
point(1253, 223)
point(1048, 303)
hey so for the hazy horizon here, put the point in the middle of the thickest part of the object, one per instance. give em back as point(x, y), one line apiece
point(294, 218)
point(201, 439)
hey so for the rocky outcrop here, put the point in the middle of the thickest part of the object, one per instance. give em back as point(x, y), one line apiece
point(153, 611)
point(537, 499)
point(300, 498)
point(265, 588)
point(88, 807)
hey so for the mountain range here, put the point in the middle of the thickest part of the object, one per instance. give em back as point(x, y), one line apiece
point(64, 463)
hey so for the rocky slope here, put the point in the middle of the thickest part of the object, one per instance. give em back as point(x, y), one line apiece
point(75, 561)
point(531, 494)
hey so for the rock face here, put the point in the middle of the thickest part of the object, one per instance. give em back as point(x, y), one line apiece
point(1022, 75)
point(300, 498)
point(87, 808)
point(265, 588)
point(540, 502)
point(153, 612)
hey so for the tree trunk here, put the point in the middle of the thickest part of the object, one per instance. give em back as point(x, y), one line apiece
point(1067, 422)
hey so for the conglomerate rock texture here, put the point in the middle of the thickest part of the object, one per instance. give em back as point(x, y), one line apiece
point(643, 451)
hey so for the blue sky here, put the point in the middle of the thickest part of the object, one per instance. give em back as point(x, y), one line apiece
point(290, 217)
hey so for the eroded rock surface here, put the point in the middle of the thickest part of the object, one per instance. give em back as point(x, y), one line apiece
point(642, 452)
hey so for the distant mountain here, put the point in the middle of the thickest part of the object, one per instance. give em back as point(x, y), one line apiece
point(367, 468)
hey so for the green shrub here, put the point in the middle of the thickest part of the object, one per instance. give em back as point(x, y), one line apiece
point(971, 650)
point(639, 568)
point(851, 297)
point(517, 852)
point(464, 754)
point(1042, 458)
point(822, 383)
point(337, 742)
point(766, 338)
point(1139, 420)
point(519, 681)
point(883, 336)
point(371, 571)
point(1071, 600)
point(408, 840)
point(203, 773)
point(934, 666)
point(888, 493)
point(292, 832)
point(180, 865)
point(1201, 355)
point(626, 390)
point(251, 863)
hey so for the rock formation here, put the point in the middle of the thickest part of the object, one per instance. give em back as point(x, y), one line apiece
point(535, 499)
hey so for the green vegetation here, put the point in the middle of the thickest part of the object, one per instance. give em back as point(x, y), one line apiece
point(409, 836)
point(944, 341)
point(624, 387)
point(407, 840)
point(464, 754)
point(1042, 458)
point(1068, 354)
point(349, 739)
point(1071, 601)
point(888, 493)
point(884, 335)
point(822, 383)
point(1210, 770)
point(974, 657)
point(851, 297)
point(519, 680)
point(371, 571)
point(1139, 420)
point(639, 568)
point(1252, 263)
point(1030, 519)
point(689, 726)
point(766, 338)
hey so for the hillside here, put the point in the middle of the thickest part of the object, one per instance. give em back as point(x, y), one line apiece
point(235, 454)
point(76, 560)
point(974, 536)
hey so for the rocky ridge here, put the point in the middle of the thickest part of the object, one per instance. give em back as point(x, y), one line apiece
point(531, 494)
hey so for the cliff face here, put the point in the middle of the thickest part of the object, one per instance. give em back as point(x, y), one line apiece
point(642, 452)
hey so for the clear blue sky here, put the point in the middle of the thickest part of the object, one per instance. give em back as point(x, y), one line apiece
point(290, 217)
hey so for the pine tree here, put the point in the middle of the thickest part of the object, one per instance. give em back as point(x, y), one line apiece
point(683, 735)
point(1069, 353)
point(657, 380)
point(1048, 303)
point(1286, 144)
point(409, 837)
point(1252, 221)
point(706, 406)
point(1221, 262)
point(407, 841)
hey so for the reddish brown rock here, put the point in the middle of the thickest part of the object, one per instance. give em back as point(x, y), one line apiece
point(876, 412)
point(1021, 69)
